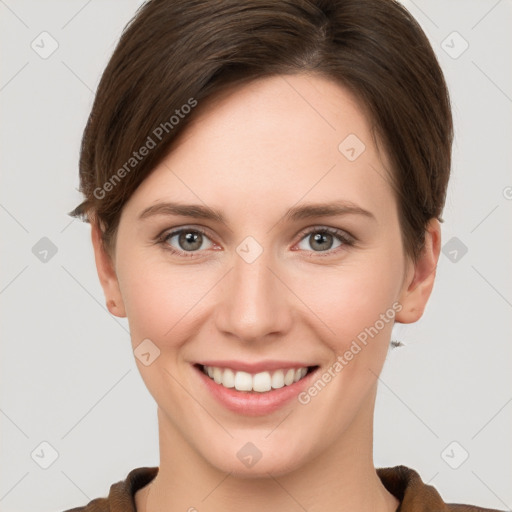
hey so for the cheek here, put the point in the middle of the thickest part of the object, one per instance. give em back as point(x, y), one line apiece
point(358, 305)
point(161, 304)
point(352, 298)
point(160, 299)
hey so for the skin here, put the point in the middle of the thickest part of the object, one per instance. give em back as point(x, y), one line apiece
point(271, 144)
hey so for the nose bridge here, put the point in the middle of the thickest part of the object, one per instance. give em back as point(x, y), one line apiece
point(253, 300)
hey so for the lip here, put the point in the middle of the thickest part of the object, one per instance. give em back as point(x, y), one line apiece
point(256, 367)
point(253, 403)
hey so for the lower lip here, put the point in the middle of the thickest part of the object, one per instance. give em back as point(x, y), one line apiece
point(254, 403)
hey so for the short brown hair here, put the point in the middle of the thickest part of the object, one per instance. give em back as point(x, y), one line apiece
point(176, 52)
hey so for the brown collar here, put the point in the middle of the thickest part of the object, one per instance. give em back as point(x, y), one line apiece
point(403, 482)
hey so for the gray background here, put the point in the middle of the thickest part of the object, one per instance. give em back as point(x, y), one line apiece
point(67, 372)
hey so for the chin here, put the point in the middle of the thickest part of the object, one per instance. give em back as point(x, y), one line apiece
point(257, 459)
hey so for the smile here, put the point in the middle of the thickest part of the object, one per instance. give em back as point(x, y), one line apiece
point(254, 388)
point(259, 382)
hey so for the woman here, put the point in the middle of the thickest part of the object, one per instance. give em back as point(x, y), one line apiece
point(264, 182)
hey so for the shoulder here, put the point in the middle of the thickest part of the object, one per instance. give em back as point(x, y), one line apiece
point(416, 496)
point(95, 505)
point(121, 495)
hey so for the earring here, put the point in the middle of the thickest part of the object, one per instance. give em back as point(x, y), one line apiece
point(396, 344)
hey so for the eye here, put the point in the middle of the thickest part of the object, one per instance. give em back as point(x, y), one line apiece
point(188, 242)
point(185, 240)
point(321, 239)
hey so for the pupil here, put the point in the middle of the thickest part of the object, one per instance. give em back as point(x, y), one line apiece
point(189, 238)
point(319, 236)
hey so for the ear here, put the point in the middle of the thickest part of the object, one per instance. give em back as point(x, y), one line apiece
point(420, 277)
point(106, 273)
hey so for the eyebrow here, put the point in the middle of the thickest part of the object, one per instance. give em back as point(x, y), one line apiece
point(305, 211)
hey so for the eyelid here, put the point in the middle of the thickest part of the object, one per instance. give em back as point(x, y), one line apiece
point(166, 233)
point(317, 228)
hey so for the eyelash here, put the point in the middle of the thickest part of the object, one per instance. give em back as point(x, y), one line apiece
point(342, 236)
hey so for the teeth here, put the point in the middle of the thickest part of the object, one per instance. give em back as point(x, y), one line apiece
point(217, 375)
point(289, 376)
point(260, 382)
point(228, 378)
point(277, 380)
point(243, 381)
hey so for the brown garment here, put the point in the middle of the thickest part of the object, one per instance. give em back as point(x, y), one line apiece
point(401, 481)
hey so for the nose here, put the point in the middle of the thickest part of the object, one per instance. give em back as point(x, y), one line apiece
point(254, 302)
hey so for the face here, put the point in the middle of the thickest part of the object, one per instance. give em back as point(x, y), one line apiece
point(302, 269)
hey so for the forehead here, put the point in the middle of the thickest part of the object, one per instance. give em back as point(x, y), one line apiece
point(275, 140)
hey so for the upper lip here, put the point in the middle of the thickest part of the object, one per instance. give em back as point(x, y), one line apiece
point(255, 367)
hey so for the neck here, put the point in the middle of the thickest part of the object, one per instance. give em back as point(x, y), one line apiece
point(340, 479)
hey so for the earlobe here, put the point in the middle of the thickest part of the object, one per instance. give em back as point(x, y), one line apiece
point(106, 273)
point(418, 285)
